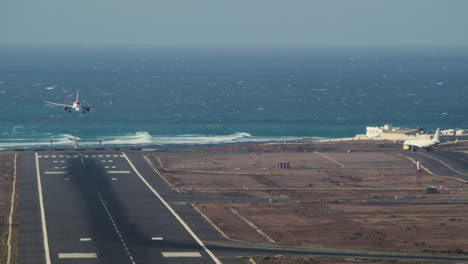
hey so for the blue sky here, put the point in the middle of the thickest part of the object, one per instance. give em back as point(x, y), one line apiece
point(236, 23)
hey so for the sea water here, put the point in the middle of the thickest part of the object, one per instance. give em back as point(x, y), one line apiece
point(212, 95)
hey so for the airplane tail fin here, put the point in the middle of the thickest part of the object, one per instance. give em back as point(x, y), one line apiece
point(75, 143)
point(436, 136)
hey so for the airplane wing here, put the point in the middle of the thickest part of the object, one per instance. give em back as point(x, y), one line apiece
point(51, 103)
point(93, 106)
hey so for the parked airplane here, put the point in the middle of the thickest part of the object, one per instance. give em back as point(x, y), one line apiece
point(427, 144)
point(75, 106)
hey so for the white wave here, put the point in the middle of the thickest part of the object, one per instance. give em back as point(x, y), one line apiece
point(138, 138)
point(144, 138)
point(58, 140)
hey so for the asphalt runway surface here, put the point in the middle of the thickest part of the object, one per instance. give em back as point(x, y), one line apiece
point(98, 210)
point(103, 207)
point(443, 163)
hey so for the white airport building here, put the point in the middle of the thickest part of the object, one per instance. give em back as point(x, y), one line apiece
point(394, 133)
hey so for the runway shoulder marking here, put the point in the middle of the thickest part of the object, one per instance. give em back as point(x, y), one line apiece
point(181, 254)
point(85, 239)
point(54, 172)
point(156, 238)
point(41, 206)
point(118, 172)
point(76, 255)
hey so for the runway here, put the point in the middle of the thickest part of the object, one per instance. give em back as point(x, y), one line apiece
point(95, 208)
point(443, 163)
point(110, 207)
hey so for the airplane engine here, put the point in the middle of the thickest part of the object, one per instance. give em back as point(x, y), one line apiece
point(66, 108)
point(87, 109)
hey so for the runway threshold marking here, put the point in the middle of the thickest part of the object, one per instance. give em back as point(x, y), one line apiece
point(76, 255)
point(181, 254)
point(41, 206)
point(181, 221)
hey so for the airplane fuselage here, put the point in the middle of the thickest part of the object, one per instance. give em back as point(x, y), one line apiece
point(76, 106)
point(426, 144)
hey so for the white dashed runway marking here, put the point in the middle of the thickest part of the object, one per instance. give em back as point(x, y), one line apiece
point(85, 239)
point(122, 240)
point(54, 172)
point(117, 172)
point(76, 255)
point(181, 254)
point(156, 238)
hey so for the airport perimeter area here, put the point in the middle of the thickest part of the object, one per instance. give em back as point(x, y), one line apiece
point(337, 202)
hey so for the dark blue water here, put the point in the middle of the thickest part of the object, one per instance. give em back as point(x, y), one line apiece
point(169, 95)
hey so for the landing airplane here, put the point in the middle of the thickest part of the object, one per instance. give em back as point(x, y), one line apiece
point(427, 144)
point(75, 106)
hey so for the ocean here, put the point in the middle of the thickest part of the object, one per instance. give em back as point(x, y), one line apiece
point(150, 95)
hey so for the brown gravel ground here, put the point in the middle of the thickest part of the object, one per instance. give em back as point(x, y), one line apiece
point(6, 183)
point(348, 206)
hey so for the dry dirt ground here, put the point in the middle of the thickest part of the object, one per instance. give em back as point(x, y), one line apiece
point(307, 260)
point(6, 180)
point(368, 198)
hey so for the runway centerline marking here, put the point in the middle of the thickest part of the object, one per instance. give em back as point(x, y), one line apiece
point(174, 213)
point(181, 254)
point(76, 255)
point(122, 240)
point(85, 239)
point(156, 238)
point(43, 219)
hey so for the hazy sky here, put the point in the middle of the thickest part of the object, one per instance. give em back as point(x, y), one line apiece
point(236, 22)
